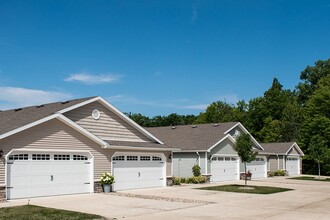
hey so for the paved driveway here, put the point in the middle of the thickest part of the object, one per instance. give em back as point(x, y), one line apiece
point(309, 200)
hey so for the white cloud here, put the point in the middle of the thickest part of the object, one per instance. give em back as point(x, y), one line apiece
point(197, 107)
point(13, 97)
point(87, 78)
point(194, 14)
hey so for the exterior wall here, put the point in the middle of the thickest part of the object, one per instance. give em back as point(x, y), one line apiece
point(238, 130)
point(293, 151)
point(282, 162)
point(108, 127)
point(225, 147)
point(273, 163)
point(183, 163)
point(55, 135)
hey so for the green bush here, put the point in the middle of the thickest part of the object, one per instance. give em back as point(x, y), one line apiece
point(280, 173)
point(176, 180)
point(183, 180)
point(270, 174)
point(196, 170)
point(196, 179)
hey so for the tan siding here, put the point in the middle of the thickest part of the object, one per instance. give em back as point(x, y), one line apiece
point(108, 127)
point(273, 163)
point(281, 163)
point(293, 151)
point(56, 135)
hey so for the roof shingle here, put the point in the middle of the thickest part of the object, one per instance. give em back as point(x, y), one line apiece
point(15, 118)
point(191, 137)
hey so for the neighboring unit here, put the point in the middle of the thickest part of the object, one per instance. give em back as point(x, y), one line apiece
point(211, 146)
point(64, 147)
point(283, 156)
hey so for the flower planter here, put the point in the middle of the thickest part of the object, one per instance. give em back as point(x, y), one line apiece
point(107, 188)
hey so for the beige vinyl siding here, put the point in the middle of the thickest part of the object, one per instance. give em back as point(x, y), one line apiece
point(55, 134)
point(273, 163)
point(293, 151)
point(108, 127)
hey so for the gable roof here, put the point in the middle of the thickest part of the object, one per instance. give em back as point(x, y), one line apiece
point(282, 148)
point(199, 137)
point(16, 118)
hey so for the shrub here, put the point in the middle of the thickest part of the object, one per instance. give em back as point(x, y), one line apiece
point(196, 170)
point(280, 173)
point(270, 174)
point(196, 179)
point(183, 180)
point(176, 180)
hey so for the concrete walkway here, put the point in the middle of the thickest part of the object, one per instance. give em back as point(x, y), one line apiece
point(308, 200)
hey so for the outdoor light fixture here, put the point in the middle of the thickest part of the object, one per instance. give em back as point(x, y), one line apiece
point(1, 153)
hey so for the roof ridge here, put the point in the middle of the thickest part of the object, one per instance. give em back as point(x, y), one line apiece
point(170, 126)
point(46, 104)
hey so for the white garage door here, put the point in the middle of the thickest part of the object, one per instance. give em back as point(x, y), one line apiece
point(46, 174)
point(136, 171)
point(258, 168)
point(292, 165)
point(224, 168)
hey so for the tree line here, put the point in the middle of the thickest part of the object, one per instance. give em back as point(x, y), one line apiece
point(279, 115)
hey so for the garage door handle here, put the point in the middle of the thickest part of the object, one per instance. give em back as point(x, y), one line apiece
point(51, 177)
point(139, 174)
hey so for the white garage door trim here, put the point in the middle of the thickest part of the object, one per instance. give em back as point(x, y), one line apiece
point(139, 159)
point(225, 158)
point(258, 167)
point(293, 159)
point(33, 155)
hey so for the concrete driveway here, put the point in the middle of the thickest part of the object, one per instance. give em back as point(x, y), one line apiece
point(308, 200)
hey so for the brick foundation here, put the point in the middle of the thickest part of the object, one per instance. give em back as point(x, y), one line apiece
point(2, 194)
point(98, 187)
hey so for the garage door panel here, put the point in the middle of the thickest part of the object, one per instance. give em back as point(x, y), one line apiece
point(34, 178)
point(224, 170)
point(140, 173)
point(258, 168)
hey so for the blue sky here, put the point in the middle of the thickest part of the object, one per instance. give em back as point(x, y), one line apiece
point(156, 57)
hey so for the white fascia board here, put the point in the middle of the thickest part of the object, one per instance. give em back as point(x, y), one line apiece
point(116, 111)
point(247, 132)
point(80, 129)
point(297, 147)
point(228, 136)
point(119, 147)
point(25, 127)
point(177, 150)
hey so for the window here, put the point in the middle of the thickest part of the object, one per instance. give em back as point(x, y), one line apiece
point(40, 157)
point(80, 157)
point(233, 159)
point(18, 157)
point(145, 158)
point(118, 158)
point(154, 158)
point(262, 159)
point(214, 158)
point(227, 158)
point(61, 157)
point(220, 158)
point(132, 158)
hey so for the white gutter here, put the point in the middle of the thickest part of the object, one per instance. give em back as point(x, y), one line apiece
point(199, 159)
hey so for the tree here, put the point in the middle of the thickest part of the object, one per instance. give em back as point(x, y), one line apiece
point(244, 150)
point(311, 77)
point(318, 152)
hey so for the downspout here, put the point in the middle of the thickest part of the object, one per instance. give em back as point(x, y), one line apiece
point(278, 162)
point(206, 171)
point(199, 159)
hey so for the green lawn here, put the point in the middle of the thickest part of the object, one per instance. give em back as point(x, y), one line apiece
point(238, 189)
point(312, 178)
point(28, 212)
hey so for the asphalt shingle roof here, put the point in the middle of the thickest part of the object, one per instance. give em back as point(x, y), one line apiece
point(276, 148)
point(191, 137)
point(15, 118)
point(136, 144)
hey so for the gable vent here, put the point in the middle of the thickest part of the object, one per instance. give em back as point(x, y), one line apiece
point(65, 102)
point(194, 126)
point(216, 125)
point(173, 127)
point(18, 109)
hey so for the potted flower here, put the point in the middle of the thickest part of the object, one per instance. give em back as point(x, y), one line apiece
point(248, 175)
point(107, 180)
